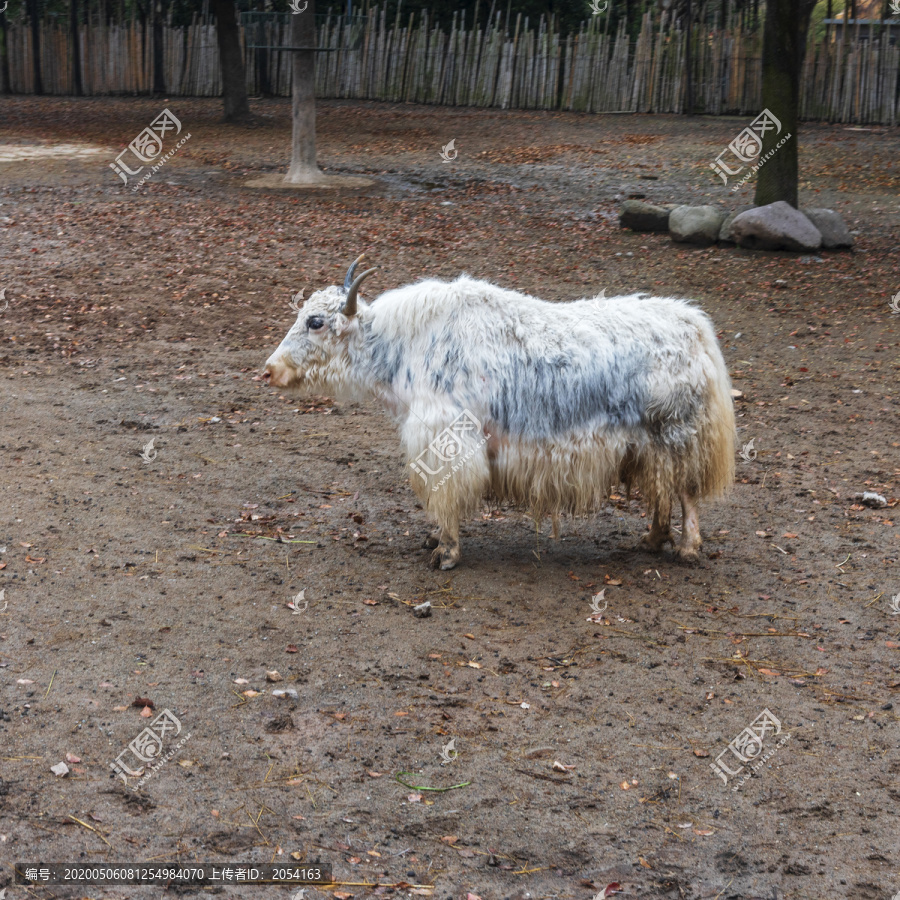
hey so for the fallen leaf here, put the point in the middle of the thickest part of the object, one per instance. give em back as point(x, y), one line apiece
point(703, 831)
point(250, 693)
point(274, 676)
point(625, 786)
point(701, 753)
point(24, 681)
point(768, 672)
point(644, 863)
point(40, 559)
point(143, 702)
point(241, 681)
point(370, 602)
point(561, 767)
point(609, 890)
point(372, 774)
point(146, 712)
point(119, 708)
point(474, 665)
point(449, 839)
point(291, 648)
point(789, 534)
point(342, 895)
point(72, 758)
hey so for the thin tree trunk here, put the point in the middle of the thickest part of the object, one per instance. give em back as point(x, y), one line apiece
point(5, 86)
point(688, 62)
point(303, 144)
point(77, 87)
point(33, 15)
point(159, 75)
point(784, 45)
point(231, 59)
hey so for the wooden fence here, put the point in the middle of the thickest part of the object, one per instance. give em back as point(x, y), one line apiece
point(854, 78)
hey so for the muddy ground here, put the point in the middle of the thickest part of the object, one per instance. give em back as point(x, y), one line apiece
point(584, 742)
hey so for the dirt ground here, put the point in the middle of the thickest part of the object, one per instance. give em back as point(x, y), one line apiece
point(583, 742)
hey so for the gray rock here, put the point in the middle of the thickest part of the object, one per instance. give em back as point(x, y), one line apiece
point(777, 226)
point(835, 234)
point(725, 235)
point(641, 216)
point(696, 224)
point(423, 610)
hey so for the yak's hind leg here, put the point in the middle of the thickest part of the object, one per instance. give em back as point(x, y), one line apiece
point(433, 539)
point(659, 533)
point(690, 530)
point(447, 553)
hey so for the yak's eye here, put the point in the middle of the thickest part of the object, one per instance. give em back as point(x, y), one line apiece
point(314, 323)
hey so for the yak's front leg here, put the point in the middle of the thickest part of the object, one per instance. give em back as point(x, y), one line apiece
point(433, 539)
point(690, 530)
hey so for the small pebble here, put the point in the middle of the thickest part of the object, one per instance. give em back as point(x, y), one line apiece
point(423, 610)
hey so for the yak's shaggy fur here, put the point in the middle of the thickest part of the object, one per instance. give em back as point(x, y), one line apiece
point(571, 398)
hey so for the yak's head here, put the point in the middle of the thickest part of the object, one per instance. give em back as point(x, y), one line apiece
point(313, 357)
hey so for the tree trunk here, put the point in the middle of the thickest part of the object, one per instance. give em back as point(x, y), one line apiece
point(77, 87)
point(33, 15)
point(231, 59)
point(784, 46)
point(159, 75)
point(303, 144)
point(5, 86)
point(688, 62)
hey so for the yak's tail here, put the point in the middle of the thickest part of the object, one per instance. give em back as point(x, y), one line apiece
point(716, 432)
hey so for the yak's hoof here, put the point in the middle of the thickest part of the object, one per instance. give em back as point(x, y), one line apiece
point(431, 542)
point(689, 555)
point(445, 557)
point(655, 542)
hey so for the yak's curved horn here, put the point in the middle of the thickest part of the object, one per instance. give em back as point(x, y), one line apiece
point(348, 280)
point(350, 305)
